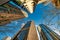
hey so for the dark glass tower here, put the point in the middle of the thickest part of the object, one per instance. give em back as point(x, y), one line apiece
point(28, 32)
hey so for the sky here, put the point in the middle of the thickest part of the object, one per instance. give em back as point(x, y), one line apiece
point(36, 16)
point(39, 11)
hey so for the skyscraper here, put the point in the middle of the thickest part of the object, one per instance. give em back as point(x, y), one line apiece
point(28, 32)
point(6, 17)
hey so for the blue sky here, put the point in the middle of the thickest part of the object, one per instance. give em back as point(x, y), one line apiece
point(39, 10)
point(36, 16)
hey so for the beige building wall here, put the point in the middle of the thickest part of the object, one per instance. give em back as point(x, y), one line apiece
point(32, 35)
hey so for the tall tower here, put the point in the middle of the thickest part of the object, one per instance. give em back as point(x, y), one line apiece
point(32, 35)
point(6, 17)
point(28, 32)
